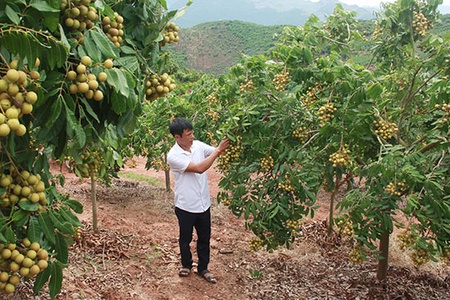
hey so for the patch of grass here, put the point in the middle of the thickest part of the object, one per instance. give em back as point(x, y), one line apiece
point(140, 177)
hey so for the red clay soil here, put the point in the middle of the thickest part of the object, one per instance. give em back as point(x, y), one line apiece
point(135, 255)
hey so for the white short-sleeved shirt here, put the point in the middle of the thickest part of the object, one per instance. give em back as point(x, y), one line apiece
point(191, 189)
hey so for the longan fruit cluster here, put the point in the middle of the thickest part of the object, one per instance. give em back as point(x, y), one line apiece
point(20, 261)
point(246, 87)
point(224, 199)
point(15, 99)
point(385, 129)
point(345, 227)
point(113, 28)
point(446, 108)
point(170, 34)
point(311, 95)
point(301, 133)
point(340, 158)
point(158, 86)
point(85, 82)
point(212, 99)
point(293, 224)
point(286, 185)
point(377, 33)
point(77, 235)
point(266, 163)
point(406, 239)
point(212, 114)
point(357, 255)
point(445, 257)
point(92, 160)
point(79, 14)
point(395, 188)
point(255, 244)
point(326, 113)
point(232, 153)
point(421, 24)
point(419, 256)
point(160, 164)
point(280, 80)
point(22, 186)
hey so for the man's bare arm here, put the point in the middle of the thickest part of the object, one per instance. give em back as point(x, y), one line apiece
point(205, 164)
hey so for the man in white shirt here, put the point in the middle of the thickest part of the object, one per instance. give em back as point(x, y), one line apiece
point(189, 159)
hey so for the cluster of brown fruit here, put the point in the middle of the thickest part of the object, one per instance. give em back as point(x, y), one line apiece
point(345, 227)
point(326, 113)
point(395, 188)
point(357, 255)
point(385, 129)
point(445, 257)
point(113, 28)
point(301, 133)
point(212, 99)
point(255, 244)
point(92, 159)
point(266, 163)
point(421, 24)
point(20, 261)
point(311, 95)
point(85, 82)
point(212, 114)
point(446, 108)
point(247, 87)
point(286, 185)
point(224, 199)
point(340, 158)
point(78, 232)
point(160, 164)
point(377, 33)
point(280, 80)
point(158, 86)
point(419, 256)
point(22, 186)
point(79, 14)
point(406, 239)
point(293, 224)
point(15, 99)
point(231, 154)
point(170, 34)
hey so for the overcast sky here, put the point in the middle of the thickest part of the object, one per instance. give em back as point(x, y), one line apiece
point(375, 2)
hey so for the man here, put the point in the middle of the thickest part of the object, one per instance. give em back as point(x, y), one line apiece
point(189, 159)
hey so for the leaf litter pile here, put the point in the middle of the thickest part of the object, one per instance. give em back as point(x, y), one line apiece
point(134, 255)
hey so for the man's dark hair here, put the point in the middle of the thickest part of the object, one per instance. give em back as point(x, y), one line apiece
point(178, 125)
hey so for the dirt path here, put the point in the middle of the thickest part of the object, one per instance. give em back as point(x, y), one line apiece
point(135, 256)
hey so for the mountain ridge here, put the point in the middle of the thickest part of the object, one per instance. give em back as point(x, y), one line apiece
point(262, 12)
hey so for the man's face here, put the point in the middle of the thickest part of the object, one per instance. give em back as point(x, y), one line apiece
point(186, 139)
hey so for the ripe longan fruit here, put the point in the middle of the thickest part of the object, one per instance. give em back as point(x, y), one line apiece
point(108, 63)
point(12, 75)
point(86, 60)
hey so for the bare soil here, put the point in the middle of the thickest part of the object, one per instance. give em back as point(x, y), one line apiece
point(135, 255)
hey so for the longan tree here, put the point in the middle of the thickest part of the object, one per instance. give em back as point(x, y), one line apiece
point(71, 88)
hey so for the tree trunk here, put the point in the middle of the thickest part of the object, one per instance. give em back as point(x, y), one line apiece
point(167, 175)
point(331, 215)
point(384, 252)
point(94, 204)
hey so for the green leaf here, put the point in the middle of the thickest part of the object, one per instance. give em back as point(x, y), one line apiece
point(28, 205)
point(42, 278)
point(62, 253)
point(42, 6)
point(56, 279)
point(374, 91)
point(68, 216)
point(61, 224)
point(34, 230)
point(74, 129)
point(12, 15)
point(47, 227)
point(75, 205)
point(20, 217)
point(102, 42)
point(117, 79)
point(118, 103)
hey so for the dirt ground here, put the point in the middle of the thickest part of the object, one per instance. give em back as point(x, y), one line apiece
point(135, 255)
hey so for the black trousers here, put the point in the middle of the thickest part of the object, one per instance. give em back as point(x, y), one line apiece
point(187, 221)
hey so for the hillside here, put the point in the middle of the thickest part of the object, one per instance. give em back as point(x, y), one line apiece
point(214, 47)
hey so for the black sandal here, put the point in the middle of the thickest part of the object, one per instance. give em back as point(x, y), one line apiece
point(208, 276)
point(183, 272)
